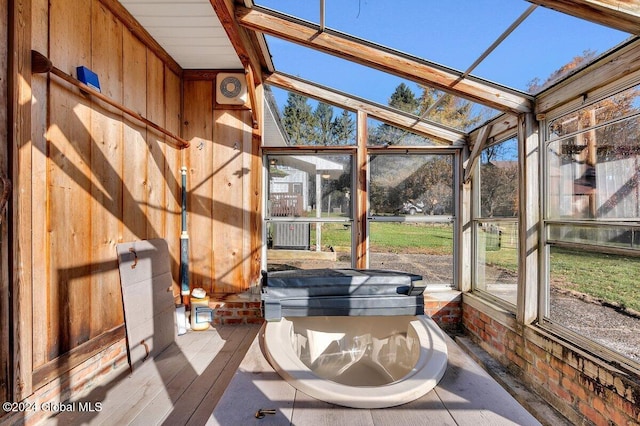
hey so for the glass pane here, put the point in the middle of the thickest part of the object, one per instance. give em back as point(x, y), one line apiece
point(499, 180)
point(596, 174)
point(597, 295)
point(612, 108)
point(382, 134)
point(420, 248)
point(316, 186)
point(611, 236)
point(293, 119)
point(412, 184)
point(497, 259)
point(305, 245)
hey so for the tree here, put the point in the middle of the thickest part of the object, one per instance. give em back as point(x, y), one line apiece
point(344, 128)
point(323, 120)
point(536, 85)
point(450, 110)
point(298, 119)
point(404, 99)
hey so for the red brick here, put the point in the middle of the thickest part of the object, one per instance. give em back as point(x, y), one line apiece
point(233, 321)
point(561, 392)
point(575, 388)
point(591, 414)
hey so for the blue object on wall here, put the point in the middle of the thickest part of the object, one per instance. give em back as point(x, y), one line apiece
point(88, 77)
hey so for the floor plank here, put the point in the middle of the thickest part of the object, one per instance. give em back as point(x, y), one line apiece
point(254, 386)
point(473, 397)
point(208, 404)
point(466, 395)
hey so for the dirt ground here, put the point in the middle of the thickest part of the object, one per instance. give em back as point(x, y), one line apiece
point(615, 330)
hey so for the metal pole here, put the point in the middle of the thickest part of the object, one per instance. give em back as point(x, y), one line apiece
point(184, 241)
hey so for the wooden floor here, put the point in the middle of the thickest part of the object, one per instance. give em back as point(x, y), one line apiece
point(220, 377)
point(180, 386)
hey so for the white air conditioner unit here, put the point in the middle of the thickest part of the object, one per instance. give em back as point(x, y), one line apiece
point(231, 88)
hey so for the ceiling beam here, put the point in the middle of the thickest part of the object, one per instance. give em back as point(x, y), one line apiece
point(618, 14)
point(380, 112)
point(384, 59)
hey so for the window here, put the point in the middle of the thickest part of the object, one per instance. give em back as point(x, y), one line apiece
point(292, 119)
point(592, 220)
point(308, 211)
point(412, 207)
point(496, 223)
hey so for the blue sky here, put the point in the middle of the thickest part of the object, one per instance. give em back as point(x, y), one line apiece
point(446, 32)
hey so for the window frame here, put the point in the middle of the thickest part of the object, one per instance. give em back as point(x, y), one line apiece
point(546, 243)
point(476, 218)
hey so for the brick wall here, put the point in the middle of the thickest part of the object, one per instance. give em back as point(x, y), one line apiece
point(74, 384)
point(583, 388)
point(445, 307)
point(237, 312)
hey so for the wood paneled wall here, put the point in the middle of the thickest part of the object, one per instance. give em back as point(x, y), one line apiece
point(221, 164)
point(94, 177)
point(100, 177)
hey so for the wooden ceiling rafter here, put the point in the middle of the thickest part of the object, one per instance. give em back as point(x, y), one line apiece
point(621, 15)
point(383, 59)
point(386, 114)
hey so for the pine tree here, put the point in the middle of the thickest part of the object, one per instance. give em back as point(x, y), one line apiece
point(323, 119)
point(298, 119)
point(404, 99)
point(344, 128)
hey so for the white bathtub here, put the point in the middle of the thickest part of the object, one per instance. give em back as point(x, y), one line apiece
point(360, 362)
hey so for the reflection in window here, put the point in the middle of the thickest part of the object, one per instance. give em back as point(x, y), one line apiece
point(623, 104)
point(294, 119)
point(496, 230)
point(318, 188)
point(595, 174)
point(416, 184)
point(592, 228)
point(499, 180)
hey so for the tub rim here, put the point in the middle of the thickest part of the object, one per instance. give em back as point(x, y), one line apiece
point(423, 377)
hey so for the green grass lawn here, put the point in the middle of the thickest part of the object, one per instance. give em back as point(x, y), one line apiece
point(608, 277)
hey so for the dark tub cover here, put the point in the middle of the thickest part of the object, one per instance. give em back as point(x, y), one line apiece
point(341, 292)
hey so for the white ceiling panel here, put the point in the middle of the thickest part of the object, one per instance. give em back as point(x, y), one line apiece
point(188, 30)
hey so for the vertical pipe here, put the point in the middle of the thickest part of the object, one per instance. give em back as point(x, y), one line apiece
point(184, 242)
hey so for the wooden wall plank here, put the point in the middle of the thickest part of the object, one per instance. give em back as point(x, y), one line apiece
point(5, 376)
point(39, 234)
point(20, 135)
point(156, 148)
point(135, 157)
point(69, 183)
point(198, 129)
point(230, 132)
point(106, 168)
point(173, 163)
